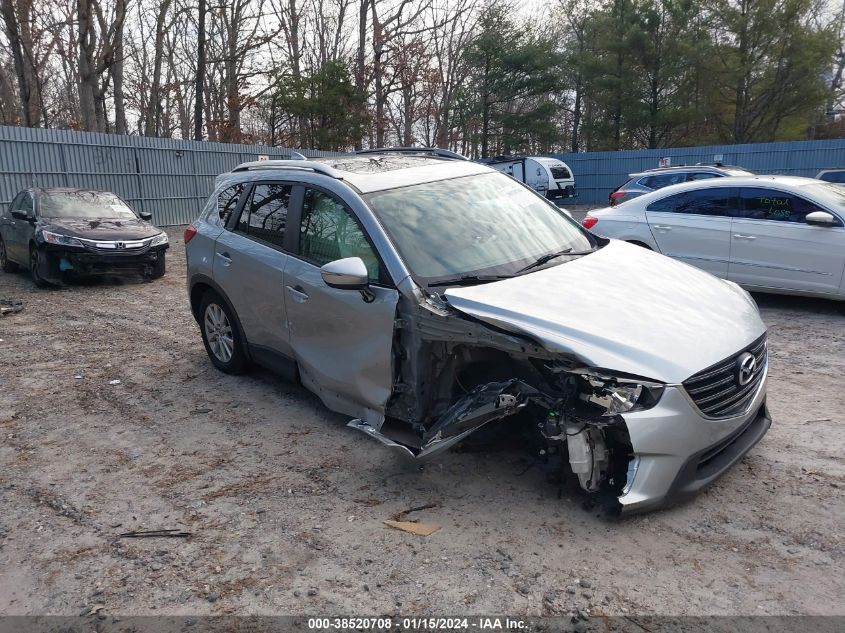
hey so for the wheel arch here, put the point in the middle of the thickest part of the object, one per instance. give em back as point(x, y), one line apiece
point(200, 285)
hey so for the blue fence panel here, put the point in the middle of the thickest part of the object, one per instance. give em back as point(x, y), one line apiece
point(168, 177)
point(599, 173)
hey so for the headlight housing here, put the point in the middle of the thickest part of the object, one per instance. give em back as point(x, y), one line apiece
point(618, 394)
point(59, 239)
point(159, 239)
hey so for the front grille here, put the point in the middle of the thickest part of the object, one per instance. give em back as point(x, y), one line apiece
point(717, 392)
point(134, 247)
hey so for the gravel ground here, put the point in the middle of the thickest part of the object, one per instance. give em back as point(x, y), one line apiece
point(285, 505)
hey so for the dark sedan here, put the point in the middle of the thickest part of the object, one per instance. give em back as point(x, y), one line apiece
point(61, 232)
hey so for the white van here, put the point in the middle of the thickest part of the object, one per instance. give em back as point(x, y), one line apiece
point(547, 176)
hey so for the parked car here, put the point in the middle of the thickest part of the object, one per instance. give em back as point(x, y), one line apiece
point(427, 297)
point(654, 179)
point(836, 176)
point(547, 176)
point(768, 233)
point(59, 232)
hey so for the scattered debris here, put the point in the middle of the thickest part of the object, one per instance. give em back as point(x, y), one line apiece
point(10, 306)
point(154, 533)
point(200, 411)
point(400, 516)
point(114, 382)
point(369, 502)
point(818, 420)
point(413, 527)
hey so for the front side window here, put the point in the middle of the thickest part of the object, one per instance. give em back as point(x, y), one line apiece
point(720, 201)
point(265, 216)
point(778, 206)
point(328, 232)
point(484, 224)
point(25, 204)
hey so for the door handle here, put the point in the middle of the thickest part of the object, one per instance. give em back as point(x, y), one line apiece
point(225, 257)
point(744, 237)
point(297, 293)
point(662, 227)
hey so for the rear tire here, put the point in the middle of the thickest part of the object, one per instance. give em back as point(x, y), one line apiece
point(35, 259)
point(221, 336)
point(6, 264)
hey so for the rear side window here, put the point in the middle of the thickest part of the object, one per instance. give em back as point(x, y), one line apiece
point(328, 232)
point(266, 215)
point(778, 206)
point(720, 201)
point(701, 175)
point(834, 176)
point(227, 202)
point(662, 180)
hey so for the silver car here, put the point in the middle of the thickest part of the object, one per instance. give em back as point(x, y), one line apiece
point(426, 297)
point(780, 234)
point(653, 179)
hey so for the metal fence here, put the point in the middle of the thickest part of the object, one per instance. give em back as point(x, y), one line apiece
point(599, 173)
point(167, 177)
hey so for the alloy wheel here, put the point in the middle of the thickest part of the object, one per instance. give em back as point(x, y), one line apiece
point(218, 332)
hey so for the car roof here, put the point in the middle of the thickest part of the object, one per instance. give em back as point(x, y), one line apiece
point(678, 168)
point(733, 181)
point(376, 172)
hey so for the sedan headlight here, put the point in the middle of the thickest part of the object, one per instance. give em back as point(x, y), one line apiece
point(58, 238)
point(617, 394)
point(159, 239)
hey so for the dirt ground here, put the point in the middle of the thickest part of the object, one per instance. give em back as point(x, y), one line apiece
point(285, 505)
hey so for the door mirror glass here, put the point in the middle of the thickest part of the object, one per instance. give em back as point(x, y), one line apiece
point(820, 218)
point(349, 273)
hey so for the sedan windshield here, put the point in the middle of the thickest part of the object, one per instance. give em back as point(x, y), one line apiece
point(83, 204)
point(480, 225)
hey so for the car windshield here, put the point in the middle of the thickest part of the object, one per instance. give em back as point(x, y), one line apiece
point(83, 204)
point(832, 194)
point(485, 224)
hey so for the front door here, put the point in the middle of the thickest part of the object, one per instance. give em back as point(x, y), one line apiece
point(249, 265)
point(342, 339)
point(695, 227)
point(773, 247)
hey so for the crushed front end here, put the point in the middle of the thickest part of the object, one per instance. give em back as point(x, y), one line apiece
point(63, 256)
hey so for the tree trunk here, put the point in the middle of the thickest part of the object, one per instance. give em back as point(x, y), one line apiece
point(117, 75)
point(199, 81)
point(86, 66)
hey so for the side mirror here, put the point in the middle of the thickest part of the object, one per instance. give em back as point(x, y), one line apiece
point(145, 215)
point(22, 215)
point(346, 274)
point(820, 218)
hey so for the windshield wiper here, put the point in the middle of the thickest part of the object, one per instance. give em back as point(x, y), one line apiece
point(465, 280)
point(545, 259)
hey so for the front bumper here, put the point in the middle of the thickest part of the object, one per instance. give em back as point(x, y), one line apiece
point(61, 260)
point(678, 452)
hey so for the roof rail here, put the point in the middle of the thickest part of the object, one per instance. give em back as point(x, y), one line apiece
point(302, 164)
point(434, 151)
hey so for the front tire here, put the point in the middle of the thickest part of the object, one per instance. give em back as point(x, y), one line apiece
point(159, 268)
point(35, 262)
point(6, 264)
point(220, 335)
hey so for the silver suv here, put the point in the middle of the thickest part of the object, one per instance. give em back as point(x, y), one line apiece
point(654, 179)
point(427, 297)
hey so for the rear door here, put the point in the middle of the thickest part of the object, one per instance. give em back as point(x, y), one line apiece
point(695, 226)
point(342, 340)
point(249, 264)
point(773, 247)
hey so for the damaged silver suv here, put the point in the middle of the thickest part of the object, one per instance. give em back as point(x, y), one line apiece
point(427, 296)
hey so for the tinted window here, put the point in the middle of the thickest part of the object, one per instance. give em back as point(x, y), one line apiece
point(328, 232)
point(701, 175)
point(267, 213)
point(834, 176)
point(227, 202)
point(560, 173)
point(771, 204)
point(663, 180)
point(719, 201)
point(25, 204)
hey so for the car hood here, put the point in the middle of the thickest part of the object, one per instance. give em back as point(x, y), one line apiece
point(108, 229)
point(622, 308)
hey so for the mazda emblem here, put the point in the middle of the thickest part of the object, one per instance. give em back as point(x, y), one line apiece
point(745, 366)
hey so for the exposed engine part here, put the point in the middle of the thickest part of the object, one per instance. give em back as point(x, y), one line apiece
point(588, 455)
